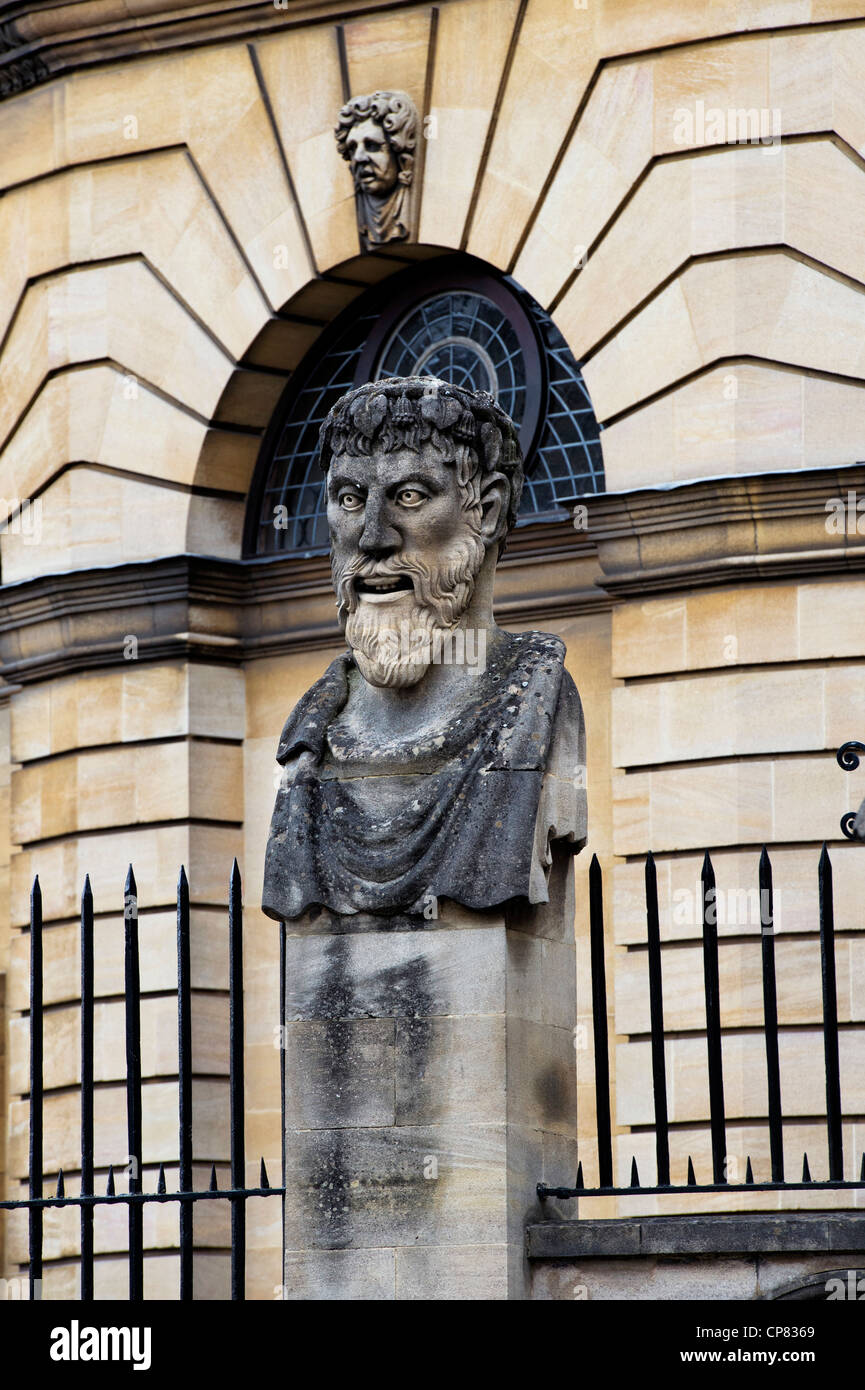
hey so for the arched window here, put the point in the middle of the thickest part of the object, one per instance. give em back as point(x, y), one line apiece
point(453, 319)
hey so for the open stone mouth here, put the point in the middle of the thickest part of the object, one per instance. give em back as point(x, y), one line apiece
point(389, 584)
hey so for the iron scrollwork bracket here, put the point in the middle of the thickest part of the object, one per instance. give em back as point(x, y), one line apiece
point(847, 757)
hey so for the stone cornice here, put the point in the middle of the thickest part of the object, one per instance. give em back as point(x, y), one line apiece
point(41, 41)
point(193, 607)
point(725, 531)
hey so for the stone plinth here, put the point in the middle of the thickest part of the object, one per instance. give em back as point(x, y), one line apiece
point(430, 1085)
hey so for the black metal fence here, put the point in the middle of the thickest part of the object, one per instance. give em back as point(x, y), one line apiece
point(135, 1198)
point(779, 1181)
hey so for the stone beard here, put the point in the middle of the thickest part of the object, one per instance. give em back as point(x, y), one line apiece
point(405, 779)
point(384, 654)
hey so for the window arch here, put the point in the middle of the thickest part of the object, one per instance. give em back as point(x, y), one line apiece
point(454, 319)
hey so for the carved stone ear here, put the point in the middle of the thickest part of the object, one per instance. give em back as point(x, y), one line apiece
point(495, 488)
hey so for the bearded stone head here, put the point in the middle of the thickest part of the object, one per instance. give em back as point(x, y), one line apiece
point(423, 484)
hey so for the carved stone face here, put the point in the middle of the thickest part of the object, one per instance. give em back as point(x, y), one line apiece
point(404, 557)
point(371, 159)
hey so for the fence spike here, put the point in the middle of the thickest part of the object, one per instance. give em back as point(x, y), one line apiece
point(109, 1186)
point(214, 1185)
point(132, 993)
point(184, 1088)
point(635, 1176)
point(160, 1181)
point(263, 1177)
point(35, 1166)
point(717, 1119)
point(581, 1183)
point(86, 1186)
point(749, 1172)
point(61, 1186)
point(692, 1180)
point(599, 1025)
point(830, 1018)
point(806, 1171)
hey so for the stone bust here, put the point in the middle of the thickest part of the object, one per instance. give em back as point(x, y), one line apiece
point(440, 756)
point(377, 136)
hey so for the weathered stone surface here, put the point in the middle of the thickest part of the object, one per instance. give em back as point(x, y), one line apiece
point(398, 975)
point(345, 1275)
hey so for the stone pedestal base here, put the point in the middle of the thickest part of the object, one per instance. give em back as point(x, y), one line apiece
point(430, 1085)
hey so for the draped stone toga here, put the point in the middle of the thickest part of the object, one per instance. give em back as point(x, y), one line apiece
point(467, 811)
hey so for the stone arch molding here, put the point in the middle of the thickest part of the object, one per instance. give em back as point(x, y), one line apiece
point(184, 232)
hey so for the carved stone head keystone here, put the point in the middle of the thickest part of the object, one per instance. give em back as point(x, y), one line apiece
point(377, 137)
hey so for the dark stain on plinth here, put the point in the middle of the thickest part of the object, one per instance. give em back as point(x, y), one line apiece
point(357, 1175)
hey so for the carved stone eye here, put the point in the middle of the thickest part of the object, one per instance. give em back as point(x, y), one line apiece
point(350, 502)
point(410, 497)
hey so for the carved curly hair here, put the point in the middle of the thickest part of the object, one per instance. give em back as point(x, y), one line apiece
point(396, 114)
point(468, 428)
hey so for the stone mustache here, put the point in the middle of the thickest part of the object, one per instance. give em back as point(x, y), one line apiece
point(440, 757)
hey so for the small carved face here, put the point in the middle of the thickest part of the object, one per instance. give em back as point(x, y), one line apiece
point(371, 159)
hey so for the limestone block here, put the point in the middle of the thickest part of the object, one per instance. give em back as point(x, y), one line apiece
point(89, 517)
point(741, 196)
point(302, 76)
point(137, 702)
point(62, 1230)
point(209, 99)
point(752, 802)
point(61, 956)
point(125, 786)
point(738, 897)
point(552, 64)
point(344, 1274)
point(159, 1131)
point(759, 305)
point(457, 1272)
point(392, 1201)
point(120, 311)
point(830, 621)
point(339, 1073)
point(748, 627)
point(401, 975)
point(471, 46)
point(733, 714)
point(108, 417)
point(157, 854)
point(798, 975)
point(610, 147)
point(61, 1034)
point(743, 1141)
point(803, 1080)
point(156, 207)
point(389, 52)
point(756, 418)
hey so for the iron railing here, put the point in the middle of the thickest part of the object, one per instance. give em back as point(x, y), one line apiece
point(717, 1115)
point(848, 758)
point(135, 1198)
